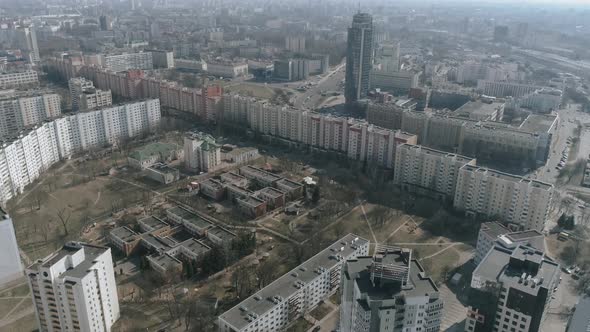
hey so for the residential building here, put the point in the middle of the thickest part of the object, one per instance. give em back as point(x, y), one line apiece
point(579, 321)
point(295, 44)
point(85, 97)
point(23, 38)
point(511, 198)
point(23, 159)
point(239, 156)
point(427, 171)
point(154, 153)
point(74, 289)
point(388, 292)
point(295, 293)
point(77, 87)
point(385, 115)
point(359, 57)
point(513, 289)
point(259, 175)
point(21, 79)
point(127, 61)
point(194, 223)
point(11, 268)
point(201, 153)
point(213, 189)
point(162, 59)
point(190, 65)
point(493, 233)
point(20, 110)
point(481, 111)
point(292, 189)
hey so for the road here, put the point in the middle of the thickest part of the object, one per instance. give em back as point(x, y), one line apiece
point(312, 98)
point(563, 300)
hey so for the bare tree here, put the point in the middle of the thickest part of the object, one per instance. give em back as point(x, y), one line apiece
point(64, 214)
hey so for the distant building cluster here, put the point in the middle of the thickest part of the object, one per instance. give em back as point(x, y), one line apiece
point(85, 97)
point(25, 158)
point(20, 79)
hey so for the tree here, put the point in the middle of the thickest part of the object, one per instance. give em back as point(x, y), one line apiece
point(566, 222)
point(64, 214)
point(214, 261)
point(568, 255)
point(40, 197)
point(265, 272)
point(242, 281)
point(315, 196)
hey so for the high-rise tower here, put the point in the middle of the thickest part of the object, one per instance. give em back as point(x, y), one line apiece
point(359, 57)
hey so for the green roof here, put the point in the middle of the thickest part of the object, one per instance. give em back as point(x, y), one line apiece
point(165, 150)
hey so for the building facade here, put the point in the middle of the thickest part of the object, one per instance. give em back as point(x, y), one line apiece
point(429, 172)
point(74, 289)
point(201, 153)
point(25, 158)
point(20, 110)
point(127, 61)
point(513, 199)
point(19, 79)
point(12, 268)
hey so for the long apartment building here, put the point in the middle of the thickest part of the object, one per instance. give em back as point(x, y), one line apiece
point(295, 293)
point(127, 61)
point(19, 110)
point(505, 89)
point(25, 158)
point(513, 199)
point(74, 289)
point(513, 288)
point(388, 292)
point(18, 79)
point(427, 171)
point(356, 139)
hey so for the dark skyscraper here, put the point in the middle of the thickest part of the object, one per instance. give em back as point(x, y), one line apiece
point(359, 57)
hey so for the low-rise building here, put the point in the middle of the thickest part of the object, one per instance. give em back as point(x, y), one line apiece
point(292, 189)
point(227, 69)
point(259, 175)
point(251, 206)
point(234, 178)
point(193, 222)
point(163, 173)
point(481, 111)
point(295, 293)
point(274, 198)
point(125, 239)
point(213, 189)
point(493, 233)
point(240, 156)
point(154, 153)
point(221, 236)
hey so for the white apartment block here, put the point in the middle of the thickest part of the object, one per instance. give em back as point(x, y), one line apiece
point(295, 293)
point(18, 79)
point(513, 199)
point(201, 153)
point(388, 292)
point(127, 61)
point(74, 289)
point(357, 139)
point(21, 110)
point(428, 171)
point(505, 89)
point(33, 152)
point(11, 268)
point(394, 80)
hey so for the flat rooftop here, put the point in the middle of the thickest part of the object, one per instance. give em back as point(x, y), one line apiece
point(478, 109)
point(507, 177)
point(539, 123)
point(91, 252)
point(251, 201)
point(195, 246)
point(273, 192)
point(153, 222)
point(190, 217)
point(212, 183)
point(165, 261)
point(260, 173)
point(232, 177)
point(222, 233)
point(580, 321)
point(289, 183)
point(496, 266)
point(163, 168)
point(284, 287)
point(493, 229)
point(429, 151)
point(124, 233)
